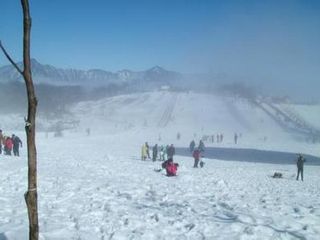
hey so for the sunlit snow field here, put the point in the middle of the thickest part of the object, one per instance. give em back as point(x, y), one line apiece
point(96, 187)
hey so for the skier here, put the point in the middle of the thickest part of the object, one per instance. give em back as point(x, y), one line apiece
point(201, 146)
point(1, 141)
point(8, 146)
point(171, 151)
point(155, 152)
point(221, 137)
point(144, 152)
point(148, 150)
point(235, 138)
point(162, 149)
point(300, 163)
point(171, 167)
point(192, 145)
point(178, 136)
point(196, 155)
point(16, 144)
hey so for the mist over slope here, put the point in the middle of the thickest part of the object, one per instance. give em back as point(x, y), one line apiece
point(109, 83)
point(162, 115)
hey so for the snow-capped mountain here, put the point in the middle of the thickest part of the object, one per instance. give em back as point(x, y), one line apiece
point(44, 73)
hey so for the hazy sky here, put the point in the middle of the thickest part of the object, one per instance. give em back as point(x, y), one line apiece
point(262, 40)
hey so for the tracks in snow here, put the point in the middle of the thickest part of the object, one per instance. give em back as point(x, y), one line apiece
point(167, 114)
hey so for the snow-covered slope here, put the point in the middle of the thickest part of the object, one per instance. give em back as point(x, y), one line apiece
point(165, 114)
point(96, 186)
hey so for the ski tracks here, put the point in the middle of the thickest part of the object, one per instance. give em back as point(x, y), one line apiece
point(167, 114)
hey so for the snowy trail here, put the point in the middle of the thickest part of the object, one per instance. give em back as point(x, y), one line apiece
point(167, 114)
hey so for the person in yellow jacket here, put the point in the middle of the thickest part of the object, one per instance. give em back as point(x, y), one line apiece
point(144, 152)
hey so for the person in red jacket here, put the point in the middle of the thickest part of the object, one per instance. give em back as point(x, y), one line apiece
point(1, 141)
point(170, 167)
point(196, 155)
point(8, 146)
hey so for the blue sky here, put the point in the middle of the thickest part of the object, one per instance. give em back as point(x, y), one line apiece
point(274, 40)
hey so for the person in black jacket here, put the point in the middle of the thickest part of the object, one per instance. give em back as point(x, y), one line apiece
point(192, 146)
point(16, 144)
point(300, 163)
point(155, 152)
point(171, 151)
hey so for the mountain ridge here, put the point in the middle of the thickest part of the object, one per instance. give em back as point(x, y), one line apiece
point(49, 74)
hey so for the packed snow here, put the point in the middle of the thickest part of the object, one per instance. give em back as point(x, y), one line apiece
point(95, 186)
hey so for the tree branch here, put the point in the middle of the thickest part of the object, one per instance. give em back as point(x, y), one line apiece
point(10, 59)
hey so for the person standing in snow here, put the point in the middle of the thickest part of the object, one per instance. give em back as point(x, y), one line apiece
point(162, 153)
point(171, 151)
point(148, 150)
point(201, 146)
point(144, 152)
point(16, 144)
point(155, 152)
point(300, 163)
point(178, 136)
point(8, 146)
point(1, 141)
point(235, 138)
point(191, 146)
point(196, 155)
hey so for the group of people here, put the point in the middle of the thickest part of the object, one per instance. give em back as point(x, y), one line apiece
point(220, 137)
point(213, 138)
point(9, 144)
point(166, 153)
point(161, 153)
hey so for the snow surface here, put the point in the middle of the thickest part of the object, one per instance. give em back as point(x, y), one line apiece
point(96, 187)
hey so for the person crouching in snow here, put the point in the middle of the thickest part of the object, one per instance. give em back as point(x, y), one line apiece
point(170, 167)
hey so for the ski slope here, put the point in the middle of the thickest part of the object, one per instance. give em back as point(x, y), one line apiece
point(96, 187)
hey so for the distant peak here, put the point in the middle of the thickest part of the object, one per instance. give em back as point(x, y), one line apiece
point(35, 63)
point(33, 60)
point(157, 69)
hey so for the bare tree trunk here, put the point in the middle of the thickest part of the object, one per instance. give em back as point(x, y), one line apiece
point(31, 196)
